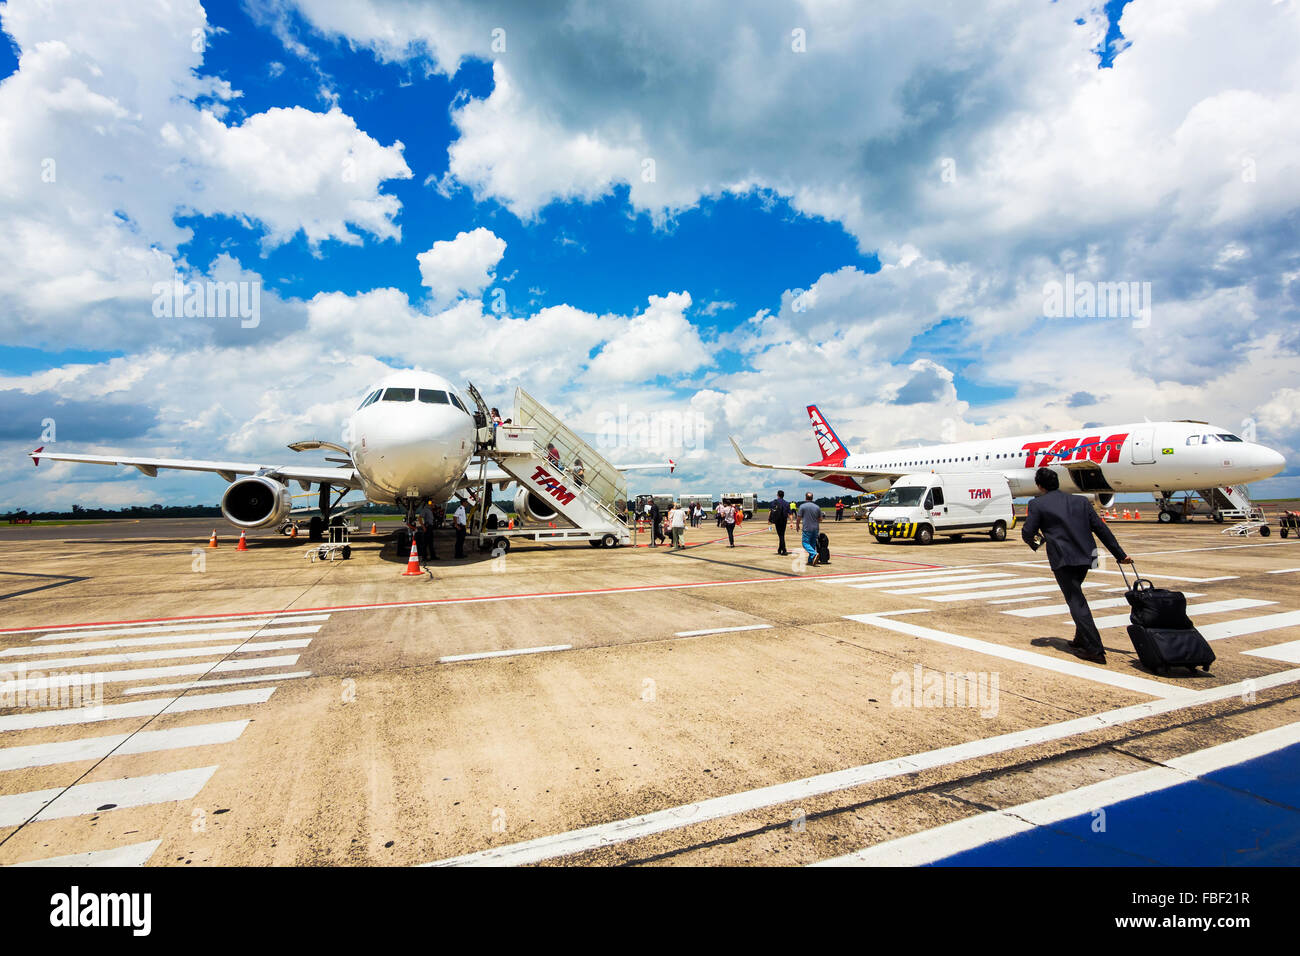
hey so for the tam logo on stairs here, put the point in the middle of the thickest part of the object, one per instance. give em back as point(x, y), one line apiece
point(552, 486)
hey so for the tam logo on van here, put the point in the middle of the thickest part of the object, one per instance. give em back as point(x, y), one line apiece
point(980, 493)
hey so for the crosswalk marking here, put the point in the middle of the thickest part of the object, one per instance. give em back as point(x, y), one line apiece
point(1288, 653)
point(25, 650)
point(96, 748)
point(965, 585)
point(1210, 607)
point(1048, 610)
point(82, 798)
point(134, 657)
point(1250, 625)
point(135, 854)
point(1046, 587)
point(111, 630)
point(226, 682)
point(136, 708)
point(147, 673)
point(928, 579)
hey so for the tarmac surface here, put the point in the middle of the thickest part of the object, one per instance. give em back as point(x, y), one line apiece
point(565, 705)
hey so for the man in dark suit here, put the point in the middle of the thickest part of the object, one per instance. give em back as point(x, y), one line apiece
point(777, 518)
point(1068, 522)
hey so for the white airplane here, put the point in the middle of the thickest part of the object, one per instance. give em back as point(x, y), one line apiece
point(410, 440)
point(1157, 457)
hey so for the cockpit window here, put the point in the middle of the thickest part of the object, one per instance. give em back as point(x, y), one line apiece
point(370, 398)
point(1227, 438)
point(433, 396)
point(1193, 439)
point(455, 400)
point(399, 395)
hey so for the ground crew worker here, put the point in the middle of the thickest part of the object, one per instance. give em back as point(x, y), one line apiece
point(777, 517)
point(429, 520)
point(839, 510)
point(459, 520)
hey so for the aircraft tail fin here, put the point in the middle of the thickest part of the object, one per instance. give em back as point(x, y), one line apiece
point(833, 450)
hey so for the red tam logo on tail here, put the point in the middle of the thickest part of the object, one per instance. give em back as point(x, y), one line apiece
point(833, 450)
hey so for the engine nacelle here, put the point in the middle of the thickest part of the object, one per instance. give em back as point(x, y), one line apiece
point(256, 502)
point(1106, 500)
point(530, 506)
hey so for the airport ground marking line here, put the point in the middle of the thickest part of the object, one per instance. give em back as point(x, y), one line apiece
point(1018, 600)
point(153, 707)
point(990, 577)
point(725, 630)
point(166, 641)
point(1284, 571)
point(136, 657)
point(960, 836)
point(134, 854)
point(241, 623)
point(966, 585)
point(1288, 653)
point(96, 748)
point(146, 673)
point(1047, 610)
point(223, 682)
point(1073, 668)
point(1250, 625)
point(81, 798)
point(1045, 588)
point(1209, 607)
point(660, 821)
point(457, 658)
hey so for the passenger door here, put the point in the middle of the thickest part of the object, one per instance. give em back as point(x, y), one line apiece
point(1143, 447)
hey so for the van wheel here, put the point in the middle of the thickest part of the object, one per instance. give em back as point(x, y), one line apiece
point(884, 538)
point(924, 534)
point(998, 532)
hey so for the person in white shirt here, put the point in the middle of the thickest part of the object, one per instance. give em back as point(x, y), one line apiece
point(729, 522)
point(460, 519)
point(677, 522)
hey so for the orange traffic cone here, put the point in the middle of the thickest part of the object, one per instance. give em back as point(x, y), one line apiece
point(1125, 514)
point(510, 525)
point(413, 563)
point(212, 542)
point(243, 545)
point(374, 528)
point(293, 531)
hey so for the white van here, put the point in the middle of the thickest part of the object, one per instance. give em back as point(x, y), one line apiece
point(746, 501)
point(922, 505)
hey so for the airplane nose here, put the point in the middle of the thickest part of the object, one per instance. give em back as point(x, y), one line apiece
point(1271, 460)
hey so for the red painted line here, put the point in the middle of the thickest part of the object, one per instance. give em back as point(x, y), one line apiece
point(528, 596)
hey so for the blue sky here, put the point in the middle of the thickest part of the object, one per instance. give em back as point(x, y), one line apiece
point(779, 170)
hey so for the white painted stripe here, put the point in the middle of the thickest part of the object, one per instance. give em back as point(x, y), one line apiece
point(1250, 625)
point(454, 658)
point(77, 632)
point(724, 630)
point(930, 579)
point(154, 641)
point(1288, 652)
point(950, 839)
point(1102, 605)
point(83, 798)
point(1285, 571)
point(135, 708)
point(632, 828)
point(135, 854)
point(1074, 668)
point(96, 748)
point(216, 652)
point(906, 573)
point(1209, 607)
point(1019, 600)
point(969, 586)
point(147, 673)
point(190, 685)
point(1167, 577)
point(1006, 592)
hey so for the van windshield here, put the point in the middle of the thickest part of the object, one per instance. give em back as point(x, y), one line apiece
point(906, 497)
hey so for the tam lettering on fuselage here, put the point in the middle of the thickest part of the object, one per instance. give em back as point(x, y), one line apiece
point(1082, 449)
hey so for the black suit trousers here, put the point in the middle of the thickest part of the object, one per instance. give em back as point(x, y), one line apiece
point(1070, 579)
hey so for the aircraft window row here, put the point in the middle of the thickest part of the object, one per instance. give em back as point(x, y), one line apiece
point(434, 396)
point(399, 395)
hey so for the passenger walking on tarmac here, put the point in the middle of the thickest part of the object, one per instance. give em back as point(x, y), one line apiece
point(699, 515)
point(810, 518)
point(1068, 523)
point(839, 509)
point(717, 514)
point(656, 523)
point(777, 517)
point(459, 519)
point(677, 524)
point(729, 522)
point(429, 521)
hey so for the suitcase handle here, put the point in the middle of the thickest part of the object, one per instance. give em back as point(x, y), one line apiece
point(1139, 583)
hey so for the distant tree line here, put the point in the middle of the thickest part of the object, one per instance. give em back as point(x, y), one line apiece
point(154, 511)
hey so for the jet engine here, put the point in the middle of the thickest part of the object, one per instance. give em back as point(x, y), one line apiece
point(1106, 500)
point(529, 505)
point(256, 502)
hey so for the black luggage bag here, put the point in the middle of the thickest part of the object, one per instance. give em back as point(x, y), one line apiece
point(823, 548)
point(1161, 632)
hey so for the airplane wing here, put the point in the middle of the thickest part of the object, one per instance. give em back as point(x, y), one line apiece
point(820, 472)
point(670, 464)
point(340, 477)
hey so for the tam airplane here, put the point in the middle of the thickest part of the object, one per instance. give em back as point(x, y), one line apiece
point(409, 440)
point(1156, 457)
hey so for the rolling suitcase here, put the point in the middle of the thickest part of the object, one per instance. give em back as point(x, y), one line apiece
point(1161, 632)
point(823, 548)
